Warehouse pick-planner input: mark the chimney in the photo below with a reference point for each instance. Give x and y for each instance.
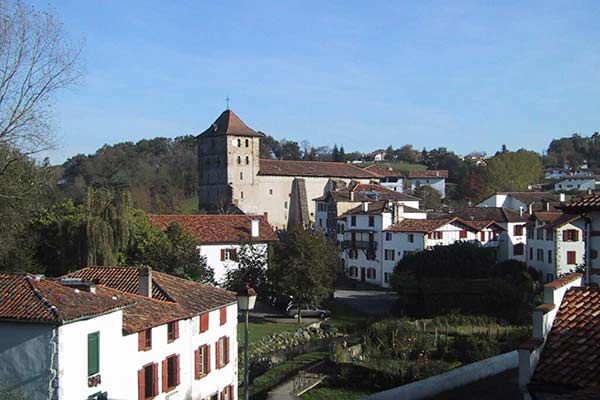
(521, 210)
(255, 228)
(546, 205)
(365, 206)
(530, 208)
(351, 195)
(562, 197)
(145, 282)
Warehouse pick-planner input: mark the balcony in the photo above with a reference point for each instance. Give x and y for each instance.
(359, 245)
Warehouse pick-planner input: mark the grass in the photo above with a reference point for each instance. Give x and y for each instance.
(258, 330)
(324, 392)
(190, 206)
(343, 316)
(277, 375)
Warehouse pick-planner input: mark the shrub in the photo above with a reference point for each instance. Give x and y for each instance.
(468, 349)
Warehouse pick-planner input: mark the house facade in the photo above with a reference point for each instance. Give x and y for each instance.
(232, 176)
(527, 202)
(555, 243)
(389, 178)
(123, 333)
(434, 178)
(222, 236)
(577, 183)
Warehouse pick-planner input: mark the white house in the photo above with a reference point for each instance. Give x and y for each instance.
(513, 222)
(222, 235)
(118, 333)
(555, 243)
(388, 177)
(523, 201)
(434, 178)
(581, 183)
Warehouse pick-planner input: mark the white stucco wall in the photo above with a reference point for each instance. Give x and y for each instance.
(568, 184)
(25, 358)
(438, 184)
(212, 252)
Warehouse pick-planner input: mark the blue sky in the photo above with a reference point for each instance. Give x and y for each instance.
(365, 74)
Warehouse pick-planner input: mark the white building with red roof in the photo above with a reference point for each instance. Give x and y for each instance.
(221, 236)
(118, 333)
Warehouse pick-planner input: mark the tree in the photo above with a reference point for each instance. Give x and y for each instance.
(432, 200)
(514, 171)
(304, 266)
(342, 155)
(252, 269)
(408, 154)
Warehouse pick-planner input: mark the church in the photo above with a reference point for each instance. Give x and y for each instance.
(233, 177)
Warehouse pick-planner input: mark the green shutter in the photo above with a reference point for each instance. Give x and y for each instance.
(93, 353)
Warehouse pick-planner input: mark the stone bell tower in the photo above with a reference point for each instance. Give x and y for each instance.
(228, 164)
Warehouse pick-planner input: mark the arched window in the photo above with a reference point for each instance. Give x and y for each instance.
(247, 160)
(247, 142)
(241, 176)
(239, 142)
(239, 159)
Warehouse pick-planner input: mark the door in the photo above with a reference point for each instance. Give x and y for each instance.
(362, 274)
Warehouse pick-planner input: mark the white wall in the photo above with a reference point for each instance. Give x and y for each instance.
(25, 358)
(212, 252)
(568, 184)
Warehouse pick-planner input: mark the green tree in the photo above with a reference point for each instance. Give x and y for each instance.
(251, 268)
(514, 171)
(304, 266)
(432, 200)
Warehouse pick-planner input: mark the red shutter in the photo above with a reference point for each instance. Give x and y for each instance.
(207, 358)
(234, 254)
(197, 363)
(227, 350)
(203, 322)
(177, 375)
(218, 354)
(165, 372)
(482, 236)
(155, 379)
(223, 395)
(141, 384)
(575, 235)
(176, 332)
(463, 234)
(231, 395)
(222, 254)
(565, 236)
(223, 315)
(429, 235)
(142, 341)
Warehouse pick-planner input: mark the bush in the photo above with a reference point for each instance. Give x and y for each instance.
(468, 349)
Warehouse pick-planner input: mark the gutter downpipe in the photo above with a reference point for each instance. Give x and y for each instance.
(53, 381)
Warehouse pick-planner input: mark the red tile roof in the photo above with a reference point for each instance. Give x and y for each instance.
(313, 169)
(30, 298)
(230, 124)
(363, 192)
(427, 173)
(383, 171)
(498, 214)
(570, 360)
(217, 228)
(425, 225)
(585, 203)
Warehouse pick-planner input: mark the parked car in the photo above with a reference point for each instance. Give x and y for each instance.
(307, 310)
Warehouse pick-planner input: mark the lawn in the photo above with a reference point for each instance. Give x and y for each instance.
(323, 392)
(258, 330)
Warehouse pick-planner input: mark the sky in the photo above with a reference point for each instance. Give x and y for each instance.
(465, 75)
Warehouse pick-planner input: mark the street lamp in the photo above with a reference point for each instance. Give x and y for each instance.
(246, 299)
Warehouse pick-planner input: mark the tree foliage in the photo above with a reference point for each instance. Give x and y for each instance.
(513, 171)
(251, 268)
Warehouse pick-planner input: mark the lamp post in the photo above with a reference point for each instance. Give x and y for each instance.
(246, 299)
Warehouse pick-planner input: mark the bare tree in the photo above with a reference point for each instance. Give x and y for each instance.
(36, 61)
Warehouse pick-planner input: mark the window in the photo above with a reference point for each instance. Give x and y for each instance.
(241, 176)
(386, 277)
(388, 236)
(518, 249)
(540, 234)
(531, 254)
(321, 222)
(518, 230)
(549, 235)
(549, 256)
(285, 205)
(93, 353)
(170, 373)
(271, 192)
(148, 381)
(530, 233)
(242, 195)
(570, 235)
(411, 238)
(353, 220)
(227, 393)
(247, 160)
(202, 361)
(353, 254)
(571, 257)
(172, 331)
(239, 159)
(223, 316)
(371, 274)
(203, 322)
(222, 348)
(549, 278)
(540, 255)
(389, 255)
(228, 254)
(247, 143)
(145, 340)
(437, 235)
(462, 234)
(353, 271)
(593, 254)
(371, 220)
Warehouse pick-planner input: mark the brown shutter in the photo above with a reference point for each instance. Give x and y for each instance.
(155, 379)
(218, 354)
(234, 254)
(142, 341)
(575, 235)
(197, 363)
(176, 331)
(177, 375)
(165, 373)
(226, 350)
(222, 254)
(231, 393)
(207, 358)
(565, 236)
(141, 384)
(203, 322)
(223, 315)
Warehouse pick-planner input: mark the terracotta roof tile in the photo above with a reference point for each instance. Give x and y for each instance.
(383, 171)
(217, 228)
(230, 124)
(498, 214)
(29, 298)
(428, 173)
(313, 169)
(364, 192)
(565, 362)
(588, 202)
